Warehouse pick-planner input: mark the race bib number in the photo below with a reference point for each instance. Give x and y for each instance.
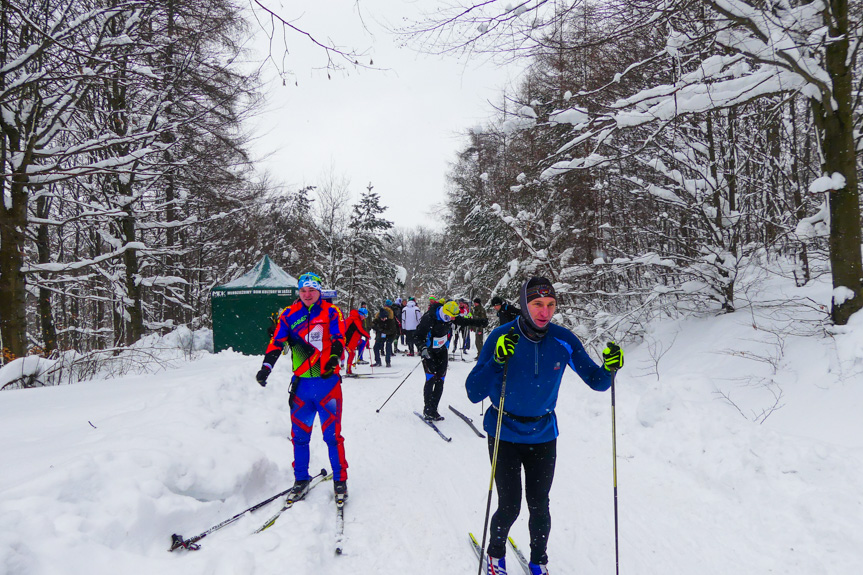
(315, 337)
(439, 342)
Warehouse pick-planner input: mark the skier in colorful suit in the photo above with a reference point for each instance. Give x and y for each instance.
(314, 331)
(534, 353)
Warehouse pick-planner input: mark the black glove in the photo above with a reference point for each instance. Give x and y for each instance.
(612, 356)
(330, 366)
(424, 353)
(263, 374)
(337, 348)
(505, 347)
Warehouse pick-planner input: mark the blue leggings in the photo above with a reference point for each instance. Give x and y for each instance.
(321, 397)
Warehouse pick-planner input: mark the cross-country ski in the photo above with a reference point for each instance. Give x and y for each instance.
(292, 499)
(467, 420)
(340, 525)
(431, 424)
(519, 556)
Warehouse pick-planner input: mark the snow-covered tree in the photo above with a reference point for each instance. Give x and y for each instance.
(120, 120)
(422, 253)
(370, 273)
(54, 57)
(668, 100)
(746, 51)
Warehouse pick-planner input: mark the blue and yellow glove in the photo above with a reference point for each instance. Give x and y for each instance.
(612, 356)
(504, 349)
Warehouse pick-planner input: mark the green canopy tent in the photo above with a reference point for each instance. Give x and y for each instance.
(242, 307)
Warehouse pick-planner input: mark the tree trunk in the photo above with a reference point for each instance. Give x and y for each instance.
(134, 310)
(43, 249)
(771, 200)
(836, 124)
(799, 207)
(13, 222)
(13, 311)
(734, 229)
(170, 310)
(721, 234)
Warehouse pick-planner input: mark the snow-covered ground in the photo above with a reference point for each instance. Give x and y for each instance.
(739, 439)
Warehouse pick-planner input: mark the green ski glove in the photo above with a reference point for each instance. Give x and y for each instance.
(505, 347)
(612, 356)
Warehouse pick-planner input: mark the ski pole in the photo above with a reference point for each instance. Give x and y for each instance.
(378, 410)
(190, 544)
(493, 461)
(614, 467)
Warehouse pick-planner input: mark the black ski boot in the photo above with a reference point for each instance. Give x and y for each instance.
(432, 415)
(299, 490)
(341, 490)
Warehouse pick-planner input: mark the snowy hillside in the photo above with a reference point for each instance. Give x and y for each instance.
(740, 450)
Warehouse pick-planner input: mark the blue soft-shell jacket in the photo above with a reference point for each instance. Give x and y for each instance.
(532, 381)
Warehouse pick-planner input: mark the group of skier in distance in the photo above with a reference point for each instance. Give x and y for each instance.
(520, 373)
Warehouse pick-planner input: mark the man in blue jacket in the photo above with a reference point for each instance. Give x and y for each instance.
(535, 353)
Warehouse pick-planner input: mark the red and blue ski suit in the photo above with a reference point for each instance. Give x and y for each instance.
(313, 334)
(354, 334)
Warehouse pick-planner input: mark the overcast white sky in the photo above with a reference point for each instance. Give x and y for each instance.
(396, 128)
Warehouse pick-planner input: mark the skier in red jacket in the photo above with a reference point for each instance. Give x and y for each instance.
(354, 334)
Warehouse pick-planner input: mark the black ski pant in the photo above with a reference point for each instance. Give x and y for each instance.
(538, 461)
(411, 339)
(435, 367)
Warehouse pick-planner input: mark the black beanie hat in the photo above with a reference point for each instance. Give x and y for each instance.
(496, 301)
(477, 300)
(538, 287)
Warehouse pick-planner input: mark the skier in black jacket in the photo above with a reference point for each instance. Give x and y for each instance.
(506, 312)
(433, 337)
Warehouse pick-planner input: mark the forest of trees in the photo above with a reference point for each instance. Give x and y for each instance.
(653, 151)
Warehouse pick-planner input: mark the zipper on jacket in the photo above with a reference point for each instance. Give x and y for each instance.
(536, 359)
(309, 329)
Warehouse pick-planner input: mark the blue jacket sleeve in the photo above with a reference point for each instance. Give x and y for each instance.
(595, 376)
